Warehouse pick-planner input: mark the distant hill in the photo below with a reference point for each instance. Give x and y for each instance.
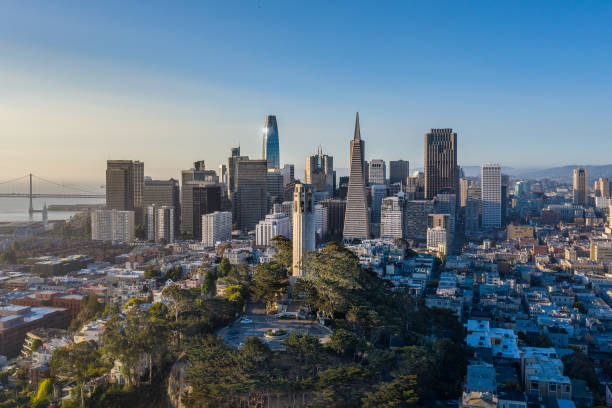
(565, 173)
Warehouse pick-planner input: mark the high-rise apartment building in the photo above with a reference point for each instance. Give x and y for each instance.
(112, 225)
(250, 200)
(399, 171)
(441, 170)
(285, 208)
(159, 223)
(446, 203)
(356, 225)
(164, 193)
(124, 184)
(491, 196)
(463, 190)
(216, 227)
(199, 198)
(378, 172)
(392, 217)
(303, 226)
(273, 225)
(270, 143)
(580, 186)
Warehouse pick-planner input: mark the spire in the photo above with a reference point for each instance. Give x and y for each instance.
(357, 131)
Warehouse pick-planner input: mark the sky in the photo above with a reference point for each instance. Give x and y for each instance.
(524, 84)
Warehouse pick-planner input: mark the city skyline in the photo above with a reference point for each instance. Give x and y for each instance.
(73, 91)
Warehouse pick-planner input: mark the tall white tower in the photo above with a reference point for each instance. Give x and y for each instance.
(303, 225)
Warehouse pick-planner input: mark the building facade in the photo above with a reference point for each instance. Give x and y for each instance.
(377, 172)
(164, 193)
(356, 225)
(580, 193)
(271, 226)
(112, 225)
(216, 227)
(399, 171)
(441, 170)
(392, 217)
(303, 226)
(250, 200)
(491, 200)
(271, 151)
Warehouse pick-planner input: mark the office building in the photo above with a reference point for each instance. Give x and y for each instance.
(463, 190)
(472, 215)
(580, 187)
(112, 225)
(232, 163)
(335, 217)
(491, 196)
(320, 221)
(377, 172)
(436, 236)
(602, 187)
(223, 178)
(164, 193)
(399, 171)
(288, 172)
(250, 200)
(270, 143)
(392, 217)
(216, 228)
(441, 170)
(439, 220)
(199, 198)
(124, 184)
(273, 225)
(377, 193)
(356, 222)
(416, 218)
(275, 187)
(415, 186)
(285, 208)
(320, 173)
(303, 226)
(446, 203)
(505, 185)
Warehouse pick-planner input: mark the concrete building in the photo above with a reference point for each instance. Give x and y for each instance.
(377, 193)
(320, 221)
(199, 198)
(164, 193)
(124, 184)
(319, 172)
(271, 226)
(399, 171)
(463, 191)
(356, 221)
(159, 223)
(377, 172)
(601, 251)
(232, 163)
(491, 196)
(275, 187)
(446, 203)
(435, 237)
(288, 172)
(516, 232)
(112, 225)
(335, 217)
(216, 227)
(580, 191)
(417, 212)
(441, 170)
(392, 217)
(250, 200)
(303, 226)
(602, 187)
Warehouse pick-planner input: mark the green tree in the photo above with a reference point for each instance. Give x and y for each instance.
(578, 365)
(342, 387)
(345, 342)
(140, 231)
(399, 393)
(152, 272)
(209, 285)
(284, 250)
(270, 282)
(80, 362)
(225, 267)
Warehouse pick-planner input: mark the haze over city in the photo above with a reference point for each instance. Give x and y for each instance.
(523, 84)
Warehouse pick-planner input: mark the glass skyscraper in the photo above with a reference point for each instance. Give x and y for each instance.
(270, 143)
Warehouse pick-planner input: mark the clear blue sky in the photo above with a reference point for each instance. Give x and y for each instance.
(525, 84)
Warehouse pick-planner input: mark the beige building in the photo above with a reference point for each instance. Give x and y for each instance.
(303, 225)
(516, 232)
(580, 186)
(601, 251)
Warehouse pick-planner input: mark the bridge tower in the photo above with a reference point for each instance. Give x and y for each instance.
(31, 209)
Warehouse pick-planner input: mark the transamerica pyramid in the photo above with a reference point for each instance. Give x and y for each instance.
(356, 221)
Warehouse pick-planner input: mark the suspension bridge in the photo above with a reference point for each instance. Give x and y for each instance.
(74, 192)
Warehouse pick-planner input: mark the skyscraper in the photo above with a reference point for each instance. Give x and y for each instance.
(232, 161)
(377, 193)
(399, 170)
(441, 171)
(199, 198)
(392, 217)
(319, 172)
(273, 225)
(491, 196)
(159, 222)
(270, 143)
(602, 187)
(377, 172)
(250, 199)
(356, 225)
(124, 184)
(303, 226)
(112, 225)
(164, 193)
(216, 227)
(580, 186)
